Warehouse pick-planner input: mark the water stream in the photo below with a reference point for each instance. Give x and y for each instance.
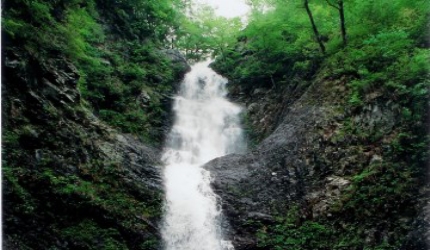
(206, 126)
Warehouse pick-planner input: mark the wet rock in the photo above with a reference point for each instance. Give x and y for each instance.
(180, 65)
(56, 79)
(324, 199)
(252, 108)
(376, 117)
(258, 91)
(144, 99)
(261, 217)
(419, 237)
(337, 183)
(306, 159)
(60, 146)
(375, 159)
(249, 177)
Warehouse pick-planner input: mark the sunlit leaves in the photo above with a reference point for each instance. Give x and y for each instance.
(204, 33)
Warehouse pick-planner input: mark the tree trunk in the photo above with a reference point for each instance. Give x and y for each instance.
(314, 27)
(342, 22)
(339, 7)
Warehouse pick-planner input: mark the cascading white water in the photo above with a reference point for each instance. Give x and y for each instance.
(206, 126)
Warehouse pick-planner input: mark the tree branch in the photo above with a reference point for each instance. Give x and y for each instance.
(332, 5)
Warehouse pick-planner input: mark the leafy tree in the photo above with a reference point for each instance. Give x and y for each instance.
(204, 33)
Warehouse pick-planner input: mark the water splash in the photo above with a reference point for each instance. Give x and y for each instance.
(206, 126)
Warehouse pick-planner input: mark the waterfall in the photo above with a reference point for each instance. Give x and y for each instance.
(206, 126)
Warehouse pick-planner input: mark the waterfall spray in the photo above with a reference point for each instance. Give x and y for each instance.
(206, 126)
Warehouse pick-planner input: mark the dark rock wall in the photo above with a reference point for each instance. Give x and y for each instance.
(70, 181)
(312, 161)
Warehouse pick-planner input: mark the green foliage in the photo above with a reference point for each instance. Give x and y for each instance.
(150, 244)
(130, 122)
(98, 186)
(143, 19)
(205, 33)
(13, 27)
(276, 45)
(115, 66)
(115, 46)
(114, 88)
(290, 233)
(278, 42)
(370, 18)
(11, 145)
(385, 64)
(380, 186)
(80, 33)
(88, 235)
(252, 138)
(388, 63)
(25, 203)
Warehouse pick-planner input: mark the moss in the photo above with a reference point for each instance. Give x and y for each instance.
(24, 202)
(289, 232)
(113, 68)
(100, 213)
(252, 137)
(89, 235)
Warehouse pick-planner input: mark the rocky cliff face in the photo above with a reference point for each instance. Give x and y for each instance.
(327, 176)
(70, 181)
